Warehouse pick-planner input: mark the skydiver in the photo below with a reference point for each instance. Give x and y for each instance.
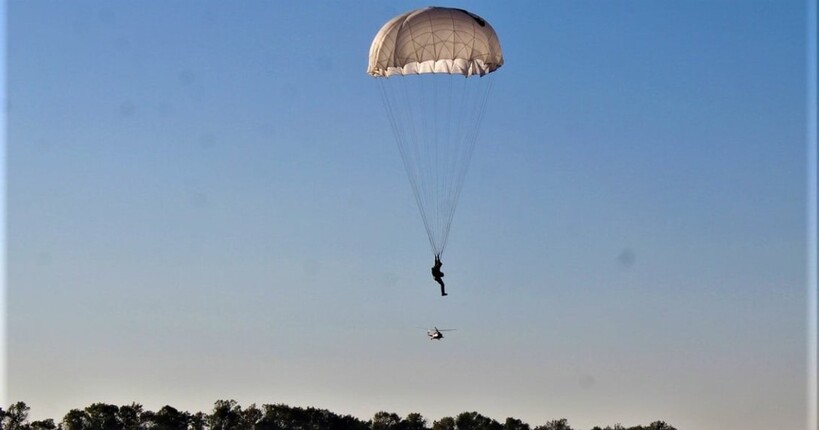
(437, 274)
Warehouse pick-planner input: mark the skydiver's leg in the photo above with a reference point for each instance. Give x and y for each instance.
(443, 291)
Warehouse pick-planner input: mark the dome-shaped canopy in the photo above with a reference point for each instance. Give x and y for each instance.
(435, 40)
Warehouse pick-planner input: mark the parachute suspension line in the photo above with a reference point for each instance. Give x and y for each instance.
(471, 119)
(436, 146)
(443, 157)
(457, 116)
(421, 147)
(481, 104)
(445, 167)
(405, 136)
(459, 163)
(440, 114)
(436, 126)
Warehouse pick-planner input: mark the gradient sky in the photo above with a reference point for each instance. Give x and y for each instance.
(205, 201)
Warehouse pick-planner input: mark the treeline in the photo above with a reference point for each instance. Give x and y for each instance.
(229, 415)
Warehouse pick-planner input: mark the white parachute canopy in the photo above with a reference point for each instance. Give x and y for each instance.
(434, 68)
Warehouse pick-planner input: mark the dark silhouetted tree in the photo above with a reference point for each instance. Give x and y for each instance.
(169, 418)
(476, 421)
(560, 424)
(445, 423)
(226, 415)
(198, 421)
(76, 419)
(269, 419)
(283, 417)
(277, 417)
(319, 419)
(102, 416)
(386, 421)
(16, 417)
(46, 424)
(251, 416)
(130, 416)
(659, 425)
(515, 424)
(414, 421)
(348, 422)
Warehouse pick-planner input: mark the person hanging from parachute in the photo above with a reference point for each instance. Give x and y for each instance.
(437, 274)
(434, 67)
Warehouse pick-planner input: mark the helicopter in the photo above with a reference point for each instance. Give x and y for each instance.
(435, 333)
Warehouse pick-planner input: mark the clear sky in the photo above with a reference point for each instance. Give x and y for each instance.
(205, 201)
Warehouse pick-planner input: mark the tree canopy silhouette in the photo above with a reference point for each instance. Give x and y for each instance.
(229, 415)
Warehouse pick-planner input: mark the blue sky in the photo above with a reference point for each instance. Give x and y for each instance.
(205, 201)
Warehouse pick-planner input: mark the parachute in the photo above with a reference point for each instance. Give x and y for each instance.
(434, 70)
